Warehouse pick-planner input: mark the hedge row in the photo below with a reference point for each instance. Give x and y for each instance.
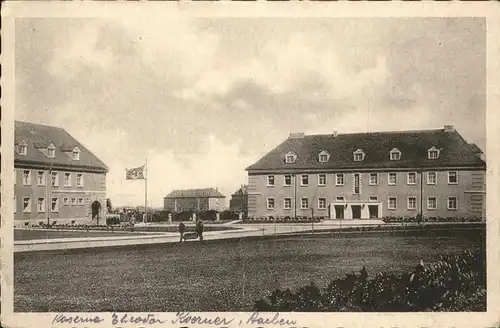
(285, 219)
(85, 227)
(162, 216)
(393, 219)
(455, 283)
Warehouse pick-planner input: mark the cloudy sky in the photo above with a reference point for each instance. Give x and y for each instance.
(204, 98)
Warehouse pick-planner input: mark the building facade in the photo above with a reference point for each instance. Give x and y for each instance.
(239, 200)
(57, 180)
(195, 200)
(370, 175)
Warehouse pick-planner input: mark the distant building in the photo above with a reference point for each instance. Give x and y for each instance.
(194, 200)
(57, 179)
(239, 200)
(370, 175)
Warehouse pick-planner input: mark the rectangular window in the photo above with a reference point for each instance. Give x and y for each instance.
(322, 203)
(287, 203)
(322, 180)
(323, 158)
(452, 177)
(373, 198)
(80, 201)
(66, 201)
(339, 179)
(304, 181)
(270, 203)
(26, 205)
(392, 204)
(433, 154)
(73, 201)
(55, 205)
(340, 198)
(412, 203)
(304, 203)
(288, 180)
(26, 177)
(270, 180)
(357, 188)
(358, 157)
(395, 156)
(431, 178)
(412, 178)
(392, 180)
(41, 205)
(373, 179)
(23, 149)
(51, 152)
(67, 179)
(55, 179)
(40, 178)
(452, 203)
(79, 180)
(431, 203)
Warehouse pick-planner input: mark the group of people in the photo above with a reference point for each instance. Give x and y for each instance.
(199, 227)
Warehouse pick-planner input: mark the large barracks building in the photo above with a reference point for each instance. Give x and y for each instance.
(370, 175)
(57, 180)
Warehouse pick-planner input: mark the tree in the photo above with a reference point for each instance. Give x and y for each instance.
(108, 205)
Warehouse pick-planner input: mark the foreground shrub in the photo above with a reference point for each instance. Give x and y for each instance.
(455, 283)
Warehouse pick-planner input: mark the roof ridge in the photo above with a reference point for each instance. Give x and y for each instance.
(39, 124)
(376, 132)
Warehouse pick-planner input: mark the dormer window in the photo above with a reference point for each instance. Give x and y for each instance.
(51, 151)
(23, 148)
(359, 155)
(395, 154)
(290, 157)
(433, 153)
(76, 154)
(324, 156)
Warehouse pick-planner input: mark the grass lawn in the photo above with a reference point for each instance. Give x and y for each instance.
(21, 234)
(214, 276)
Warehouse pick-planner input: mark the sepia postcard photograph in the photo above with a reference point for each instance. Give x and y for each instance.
(250, 165)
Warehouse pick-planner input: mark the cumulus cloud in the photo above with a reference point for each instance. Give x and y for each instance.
(204, 98)
(80, 52)
(220, 166)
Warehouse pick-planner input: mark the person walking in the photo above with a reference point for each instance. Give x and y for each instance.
(182, 230)
(199, 229)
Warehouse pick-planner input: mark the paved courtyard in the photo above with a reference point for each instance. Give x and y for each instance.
(103, 239)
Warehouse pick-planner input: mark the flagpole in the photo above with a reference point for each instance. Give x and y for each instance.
(146, 192)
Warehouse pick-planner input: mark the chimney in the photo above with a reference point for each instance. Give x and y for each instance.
(299, 135)
(449, 128)
(335, 134)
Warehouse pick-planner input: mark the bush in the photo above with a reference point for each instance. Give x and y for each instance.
(399, 219)
(229, 216)
(455, 283)
(112, 220)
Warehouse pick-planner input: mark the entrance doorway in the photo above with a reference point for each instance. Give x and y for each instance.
(373, 211)
(356, 211)
(339, 212)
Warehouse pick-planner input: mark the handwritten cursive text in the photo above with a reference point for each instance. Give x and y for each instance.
(61, 318)
(255, 318)
(187, 318)
(124, 319)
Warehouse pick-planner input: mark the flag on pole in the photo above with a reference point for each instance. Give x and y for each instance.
(135, 173)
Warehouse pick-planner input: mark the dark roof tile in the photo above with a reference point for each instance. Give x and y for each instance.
(454, 151)
(198, 193)
(38, 136)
